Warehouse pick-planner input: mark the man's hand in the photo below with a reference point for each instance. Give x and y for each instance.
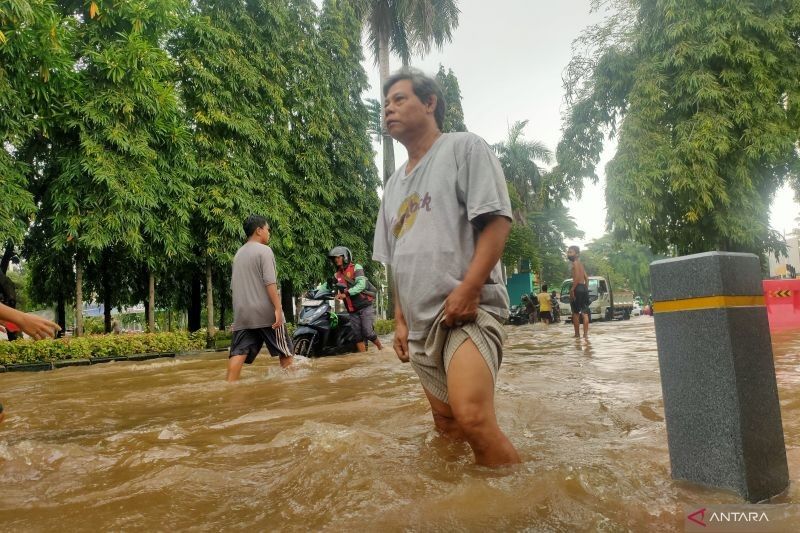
(572, 294)
(400, 343)
(279, 321)
(461, 305)
(38, 327)
(341, 296)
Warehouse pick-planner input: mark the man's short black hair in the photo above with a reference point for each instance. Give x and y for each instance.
(575, 249)
(544, 287)
(252, 223)
(424, 87)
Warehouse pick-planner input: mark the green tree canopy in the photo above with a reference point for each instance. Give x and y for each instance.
(704, 99)
(454, 114)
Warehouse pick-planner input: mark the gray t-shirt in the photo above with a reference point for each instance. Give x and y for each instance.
(253, 270)
(424, 228)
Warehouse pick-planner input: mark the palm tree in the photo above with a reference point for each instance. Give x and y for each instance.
(405, 27)
(518, 157)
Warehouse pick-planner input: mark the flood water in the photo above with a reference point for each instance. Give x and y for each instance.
(347, 443)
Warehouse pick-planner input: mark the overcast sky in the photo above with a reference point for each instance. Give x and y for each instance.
(509, 56)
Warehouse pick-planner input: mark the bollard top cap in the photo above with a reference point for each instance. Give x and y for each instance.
(706, 274)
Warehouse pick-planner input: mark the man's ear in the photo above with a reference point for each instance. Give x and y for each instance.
(432, 101)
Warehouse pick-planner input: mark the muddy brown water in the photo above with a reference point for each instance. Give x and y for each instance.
(347, 443)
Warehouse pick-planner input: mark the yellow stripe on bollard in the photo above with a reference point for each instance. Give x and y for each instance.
(708, 302)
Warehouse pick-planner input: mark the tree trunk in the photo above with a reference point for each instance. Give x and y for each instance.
(222, 301)
(8, 253)
(78, 297)
(107, 310)
(61, 315)
(287, 301)
(388, 150)
(151, 302)
(193, 313)
(387, 141)
(209, 306)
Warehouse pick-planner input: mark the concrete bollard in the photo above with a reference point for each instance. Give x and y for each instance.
(717, 374)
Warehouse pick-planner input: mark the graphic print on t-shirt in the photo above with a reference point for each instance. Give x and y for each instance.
(407, 213)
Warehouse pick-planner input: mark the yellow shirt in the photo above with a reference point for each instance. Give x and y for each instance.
(544, 302)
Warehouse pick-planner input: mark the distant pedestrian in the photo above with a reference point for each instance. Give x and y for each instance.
(257, 312)
(579, 292)
(545, 306)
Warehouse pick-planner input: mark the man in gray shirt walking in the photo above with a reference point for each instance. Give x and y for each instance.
(443, 224)
(257, 313)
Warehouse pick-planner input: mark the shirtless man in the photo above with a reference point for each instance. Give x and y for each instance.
(579, 293)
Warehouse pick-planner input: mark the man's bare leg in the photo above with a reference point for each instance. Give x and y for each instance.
(361, 347)
(443, 418)
(377, 343)
(235, 363)
(576, 324)
(286, 361)
(470, 390)
(585, 325)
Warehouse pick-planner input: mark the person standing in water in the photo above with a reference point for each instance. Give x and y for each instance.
(257, 312)
(579, 293)
(444, 220)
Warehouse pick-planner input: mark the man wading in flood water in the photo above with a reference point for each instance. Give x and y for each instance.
(443, 224)
(579, 293)
(257, 312)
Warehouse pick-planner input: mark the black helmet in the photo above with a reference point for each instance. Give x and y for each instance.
(344, 251)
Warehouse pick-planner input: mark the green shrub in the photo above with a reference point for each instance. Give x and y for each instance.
(383, 327)
(30, 351)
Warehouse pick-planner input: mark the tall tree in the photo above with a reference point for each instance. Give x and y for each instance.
(537, 196)
(704, 97)
(115, 171)
(404, 27)
(35, 44)
(454, 114)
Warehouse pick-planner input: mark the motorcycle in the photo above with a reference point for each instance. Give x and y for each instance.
(321, 331)
(518, 315)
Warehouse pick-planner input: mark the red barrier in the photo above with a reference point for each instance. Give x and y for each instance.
(782, 297)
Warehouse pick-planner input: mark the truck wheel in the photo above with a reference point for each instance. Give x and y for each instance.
(626, 315)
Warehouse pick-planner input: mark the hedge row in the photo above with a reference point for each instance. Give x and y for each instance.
(92, 346)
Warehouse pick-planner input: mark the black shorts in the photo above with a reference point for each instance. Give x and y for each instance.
(249, 341)
(581, 302)
(546, 314)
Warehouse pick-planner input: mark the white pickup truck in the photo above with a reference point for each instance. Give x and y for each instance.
(604, 302)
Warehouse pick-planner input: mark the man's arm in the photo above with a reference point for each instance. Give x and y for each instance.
(34, 325)
(462, 304)
(272, 292)
(400, 343)
(574, 275)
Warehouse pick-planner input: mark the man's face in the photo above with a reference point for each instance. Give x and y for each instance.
(404, 114)
(338, 260)
(571, 255)
(263, 234)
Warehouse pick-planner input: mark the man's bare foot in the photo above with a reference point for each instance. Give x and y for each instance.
(286, 362)
(377, 343)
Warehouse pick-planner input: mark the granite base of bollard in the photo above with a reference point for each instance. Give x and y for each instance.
(717, 374)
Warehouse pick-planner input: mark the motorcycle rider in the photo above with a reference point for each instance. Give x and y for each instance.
(358, 296)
